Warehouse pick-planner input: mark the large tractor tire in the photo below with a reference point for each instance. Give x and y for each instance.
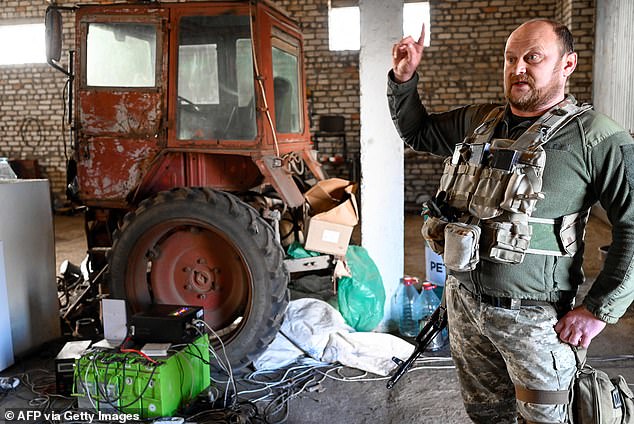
(197, 246)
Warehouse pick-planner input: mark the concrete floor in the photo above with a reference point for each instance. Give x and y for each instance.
(425, 395)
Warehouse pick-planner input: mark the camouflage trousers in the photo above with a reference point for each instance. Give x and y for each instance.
(495, 349)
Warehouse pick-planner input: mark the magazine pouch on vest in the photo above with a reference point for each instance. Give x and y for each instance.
(494, 180)
(512, 178)
(525, 183)
(462, 170)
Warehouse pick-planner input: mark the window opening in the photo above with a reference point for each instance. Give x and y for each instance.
(286, 87)
(216, 93)
(344, 28)
(344, 32)
(414, 14)
(21, 44)
(121, 55)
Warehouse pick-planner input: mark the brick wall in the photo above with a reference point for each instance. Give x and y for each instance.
(581, 23)
(462, 65)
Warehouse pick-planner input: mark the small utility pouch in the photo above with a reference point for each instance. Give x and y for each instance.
(572, 231)
(506, 238)
(433, 231)
(461, 246)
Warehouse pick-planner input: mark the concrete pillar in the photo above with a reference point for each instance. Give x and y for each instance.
(613, 66)
(382, 178)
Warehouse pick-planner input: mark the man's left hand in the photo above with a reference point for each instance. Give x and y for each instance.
(578, 327)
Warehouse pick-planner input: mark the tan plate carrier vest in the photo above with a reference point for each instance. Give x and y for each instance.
(494, 184)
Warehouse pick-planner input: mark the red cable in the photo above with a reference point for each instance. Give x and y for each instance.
(124, 350)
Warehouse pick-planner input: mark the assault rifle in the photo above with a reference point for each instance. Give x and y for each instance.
(436, 323)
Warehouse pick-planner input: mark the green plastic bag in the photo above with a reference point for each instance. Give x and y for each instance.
(297, 251)
(361, 297)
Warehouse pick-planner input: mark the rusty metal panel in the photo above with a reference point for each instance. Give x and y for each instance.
(282, 180)
(119, 129)
(166, 172)
(191, 169)
(613, 92)
(112, 167)
(134, 113)
(224, 172)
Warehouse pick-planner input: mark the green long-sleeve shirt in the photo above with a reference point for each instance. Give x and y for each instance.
(589, 160)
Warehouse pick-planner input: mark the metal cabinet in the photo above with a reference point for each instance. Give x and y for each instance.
(26, 232)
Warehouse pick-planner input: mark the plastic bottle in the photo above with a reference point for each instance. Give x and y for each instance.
(421, 307)
(6, 172)
(428, 304)
(408, 315)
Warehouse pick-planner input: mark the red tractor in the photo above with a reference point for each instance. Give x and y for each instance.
(190, 142)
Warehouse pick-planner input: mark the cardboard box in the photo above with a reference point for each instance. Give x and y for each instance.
(334, 214)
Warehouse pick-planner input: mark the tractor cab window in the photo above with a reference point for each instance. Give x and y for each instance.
(216, 96)
(121, 55)
(286, 84)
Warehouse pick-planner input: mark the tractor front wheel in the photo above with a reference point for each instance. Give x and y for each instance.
(201, 247)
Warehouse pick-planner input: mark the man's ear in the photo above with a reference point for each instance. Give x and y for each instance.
(569, 62)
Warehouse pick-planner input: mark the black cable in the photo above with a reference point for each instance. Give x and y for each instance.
(147, 385)
(64, 91)
(23, 127)
(203, 360)
(105, 396)
(181, 374)
(107, 381)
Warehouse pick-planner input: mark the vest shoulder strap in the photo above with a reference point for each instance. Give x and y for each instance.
(548, 124)
(484, 132)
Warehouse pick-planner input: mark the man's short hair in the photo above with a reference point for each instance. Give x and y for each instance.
(562, 32)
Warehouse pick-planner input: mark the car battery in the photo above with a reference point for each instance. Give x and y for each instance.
(128, 382)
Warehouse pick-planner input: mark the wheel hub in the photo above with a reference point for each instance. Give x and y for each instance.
(201, 278)
(195, 266)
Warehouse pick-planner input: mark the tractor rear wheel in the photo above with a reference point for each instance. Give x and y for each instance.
(197, 246)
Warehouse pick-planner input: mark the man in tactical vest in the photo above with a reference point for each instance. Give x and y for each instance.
(509, 219)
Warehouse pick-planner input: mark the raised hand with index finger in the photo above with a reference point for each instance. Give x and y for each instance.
(406, 56)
